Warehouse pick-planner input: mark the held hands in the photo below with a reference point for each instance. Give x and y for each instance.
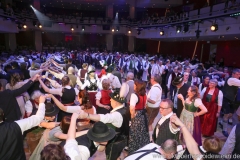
(75, 116)
(82, 115)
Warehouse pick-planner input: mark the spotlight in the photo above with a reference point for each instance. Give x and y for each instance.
(179, 28)
(24, 26)
(161, 33)
(83, 28)
(72, 29)
(214, 27)
(112, 30)
(129, 31)
(31, 6)
(39, 26)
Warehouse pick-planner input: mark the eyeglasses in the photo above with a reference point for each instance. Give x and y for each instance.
(164, 108)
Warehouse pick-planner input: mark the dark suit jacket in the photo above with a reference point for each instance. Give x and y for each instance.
(183, 90)
(9, 103)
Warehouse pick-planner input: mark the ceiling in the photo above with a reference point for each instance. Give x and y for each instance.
(101, 4)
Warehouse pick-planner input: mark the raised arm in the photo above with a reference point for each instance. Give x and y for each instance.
(191, 144)
(25, 87)
(34, 120)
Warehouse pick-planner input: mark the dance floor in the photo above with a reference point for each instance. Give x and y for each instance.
(102, 156)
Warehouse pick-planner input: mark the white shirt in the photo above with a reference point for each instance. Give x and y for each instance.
(195, 79)
(125, 88)
(29, 107)
(32, 121)
(87, 83)
(58, 91)
(115, 118)
(220, 96)
(114, 81)
(233, 82)
(170, 80)
(155, 94)
(174, 131)
(75, 151)
(155, 69)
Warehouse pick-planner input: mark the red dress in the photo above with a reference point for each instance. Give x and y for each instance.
(209, 119)
(105, 100)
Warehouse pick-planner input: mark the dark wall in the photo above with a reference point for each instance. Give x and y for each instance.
(25, 38)
(2, 39)
(228, 50)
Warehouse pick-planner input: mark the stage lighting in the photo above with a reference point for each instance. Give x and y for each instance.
(83, 28)
(113, 30)
(39, 26)
(129, 31)
(161, 33)
(179, 28)
(72, 29)
(214, 27)
(24, 26)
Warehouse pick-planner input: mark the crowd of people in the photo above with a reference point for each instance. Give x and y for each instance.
(78, 102)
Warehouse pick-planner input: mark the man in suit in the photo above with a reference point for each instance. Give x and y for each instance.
(164, 129)
(181, 88)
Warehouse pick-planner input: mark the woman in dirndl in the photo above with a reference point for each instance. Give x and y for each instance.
(138, 134)
(91, 84)
(190, 114)
(66, 92)
(103, 98)
(212, 98)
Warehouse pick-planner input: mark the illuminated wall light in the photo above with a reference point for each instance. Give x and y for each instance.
(113, 30)
(83, 28)
(40, 26)
(72, 29)
(161, 33)
(24, 26)
(214, 27)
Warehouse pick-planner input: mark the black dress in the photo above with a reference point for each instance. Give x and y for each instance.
(67, 99)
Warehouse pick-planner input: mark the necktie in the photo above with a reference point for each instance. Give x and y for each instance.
(175, 99)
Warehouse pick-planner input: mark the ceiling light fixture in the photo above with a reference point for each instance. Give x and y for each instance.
(214, 27)
(24, 26)
(179, 28)
(161, 33)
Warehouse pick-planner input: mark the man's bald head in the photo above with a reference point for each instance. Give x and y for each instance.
(130, 76)
(170, 146)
